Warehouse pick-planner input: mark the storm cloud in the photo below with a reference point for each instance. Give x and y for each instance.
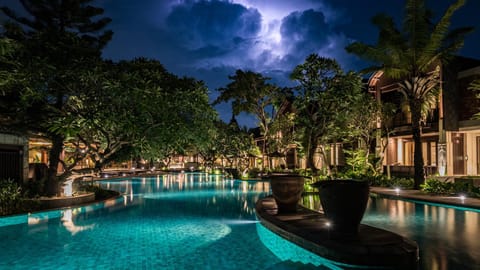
(210, 39)
(213, 24)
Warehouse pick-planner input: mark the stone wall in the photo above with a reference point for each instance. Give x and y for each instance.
(59, 202)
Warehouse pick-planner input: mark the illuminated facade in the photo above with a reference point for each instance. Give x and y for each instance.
(450, 137)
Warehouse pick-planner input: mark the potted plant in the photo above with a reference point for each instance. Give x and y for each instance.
(344, 203)
(287, 190)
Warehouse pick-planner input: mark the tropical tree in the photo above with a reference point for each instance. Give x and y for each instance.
(137, 109)
(324, 96)
(235, 144)
(412, 54)
(60, 40)
(250, 92)
(361, 131)
(283, 135)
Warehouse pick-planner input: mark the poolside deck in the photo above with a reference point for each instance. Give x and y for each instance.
(372, 248)
(421, 196)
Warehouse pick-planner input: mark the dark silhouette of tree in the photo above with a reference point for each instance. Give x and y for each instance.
(61, 39)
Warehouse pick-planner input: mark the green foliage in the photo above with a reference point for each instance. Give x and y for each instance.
(230, 142)
(437, 187)
(60, 43)
(250, 92)
(394, 182)
(323, 103)
(160, 113)
(10, 197)
(405, 183)
(358, 161)
(282, 133)
(434, 186)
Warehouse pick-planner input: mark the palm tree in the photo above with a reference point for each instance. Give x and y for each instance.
(412, 56)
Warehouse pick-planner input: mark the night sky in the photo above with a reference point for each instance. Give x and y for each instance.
(209, 40)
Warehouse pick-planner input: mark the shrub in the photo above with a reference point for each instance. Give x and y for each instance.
(434, 186)
(253, 172)
(359, 163)
(405, 183)
(10, 197)
(394, 182)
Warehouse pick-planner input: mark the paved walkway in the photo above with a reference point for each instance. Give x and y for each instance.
(420, 196)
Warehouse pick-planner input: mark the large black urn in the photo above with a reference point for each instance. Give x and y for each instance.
(344, 203)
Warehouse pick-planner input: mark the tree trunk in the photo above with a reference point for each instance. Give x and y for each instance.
(51, 184)
(419, 176)
(312, 147)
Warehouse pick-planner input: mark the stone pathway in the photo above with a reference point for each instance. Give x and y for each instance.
(421, 196)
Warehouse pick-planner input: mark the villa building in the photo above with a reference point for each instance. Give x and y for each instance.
(450, 136)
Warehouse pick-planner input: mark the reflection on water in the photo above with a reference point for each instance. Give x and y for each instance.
(448, 238)
(194, 192)
(68, 223)
(177, 221)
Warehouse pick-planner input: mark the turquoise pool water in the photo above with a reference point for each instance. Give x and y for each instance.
(198, 221)
(178, 221)
(448, 237)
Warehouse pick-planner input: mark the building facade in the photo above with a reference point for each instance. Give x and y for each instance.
(450, 134)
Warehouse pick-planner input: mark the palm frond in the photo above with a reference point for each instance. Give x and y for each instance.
(475, 85)
(454, 41)
(416, 25)
(438, 35)
(429, 103)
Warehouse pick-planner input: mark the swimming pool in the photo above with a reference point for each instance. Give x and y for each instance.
(199, 221)
(177, 221)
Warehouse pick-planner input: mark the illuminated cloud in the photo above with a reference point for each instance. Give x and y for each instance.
(195, 36)
(213, 24)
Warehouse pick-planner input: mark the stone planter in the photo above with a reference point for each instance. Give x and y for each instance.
(344, 203)
(287, 190)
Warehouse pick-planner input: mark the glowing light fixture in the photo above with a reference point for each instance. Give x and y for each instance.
(68, 188)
